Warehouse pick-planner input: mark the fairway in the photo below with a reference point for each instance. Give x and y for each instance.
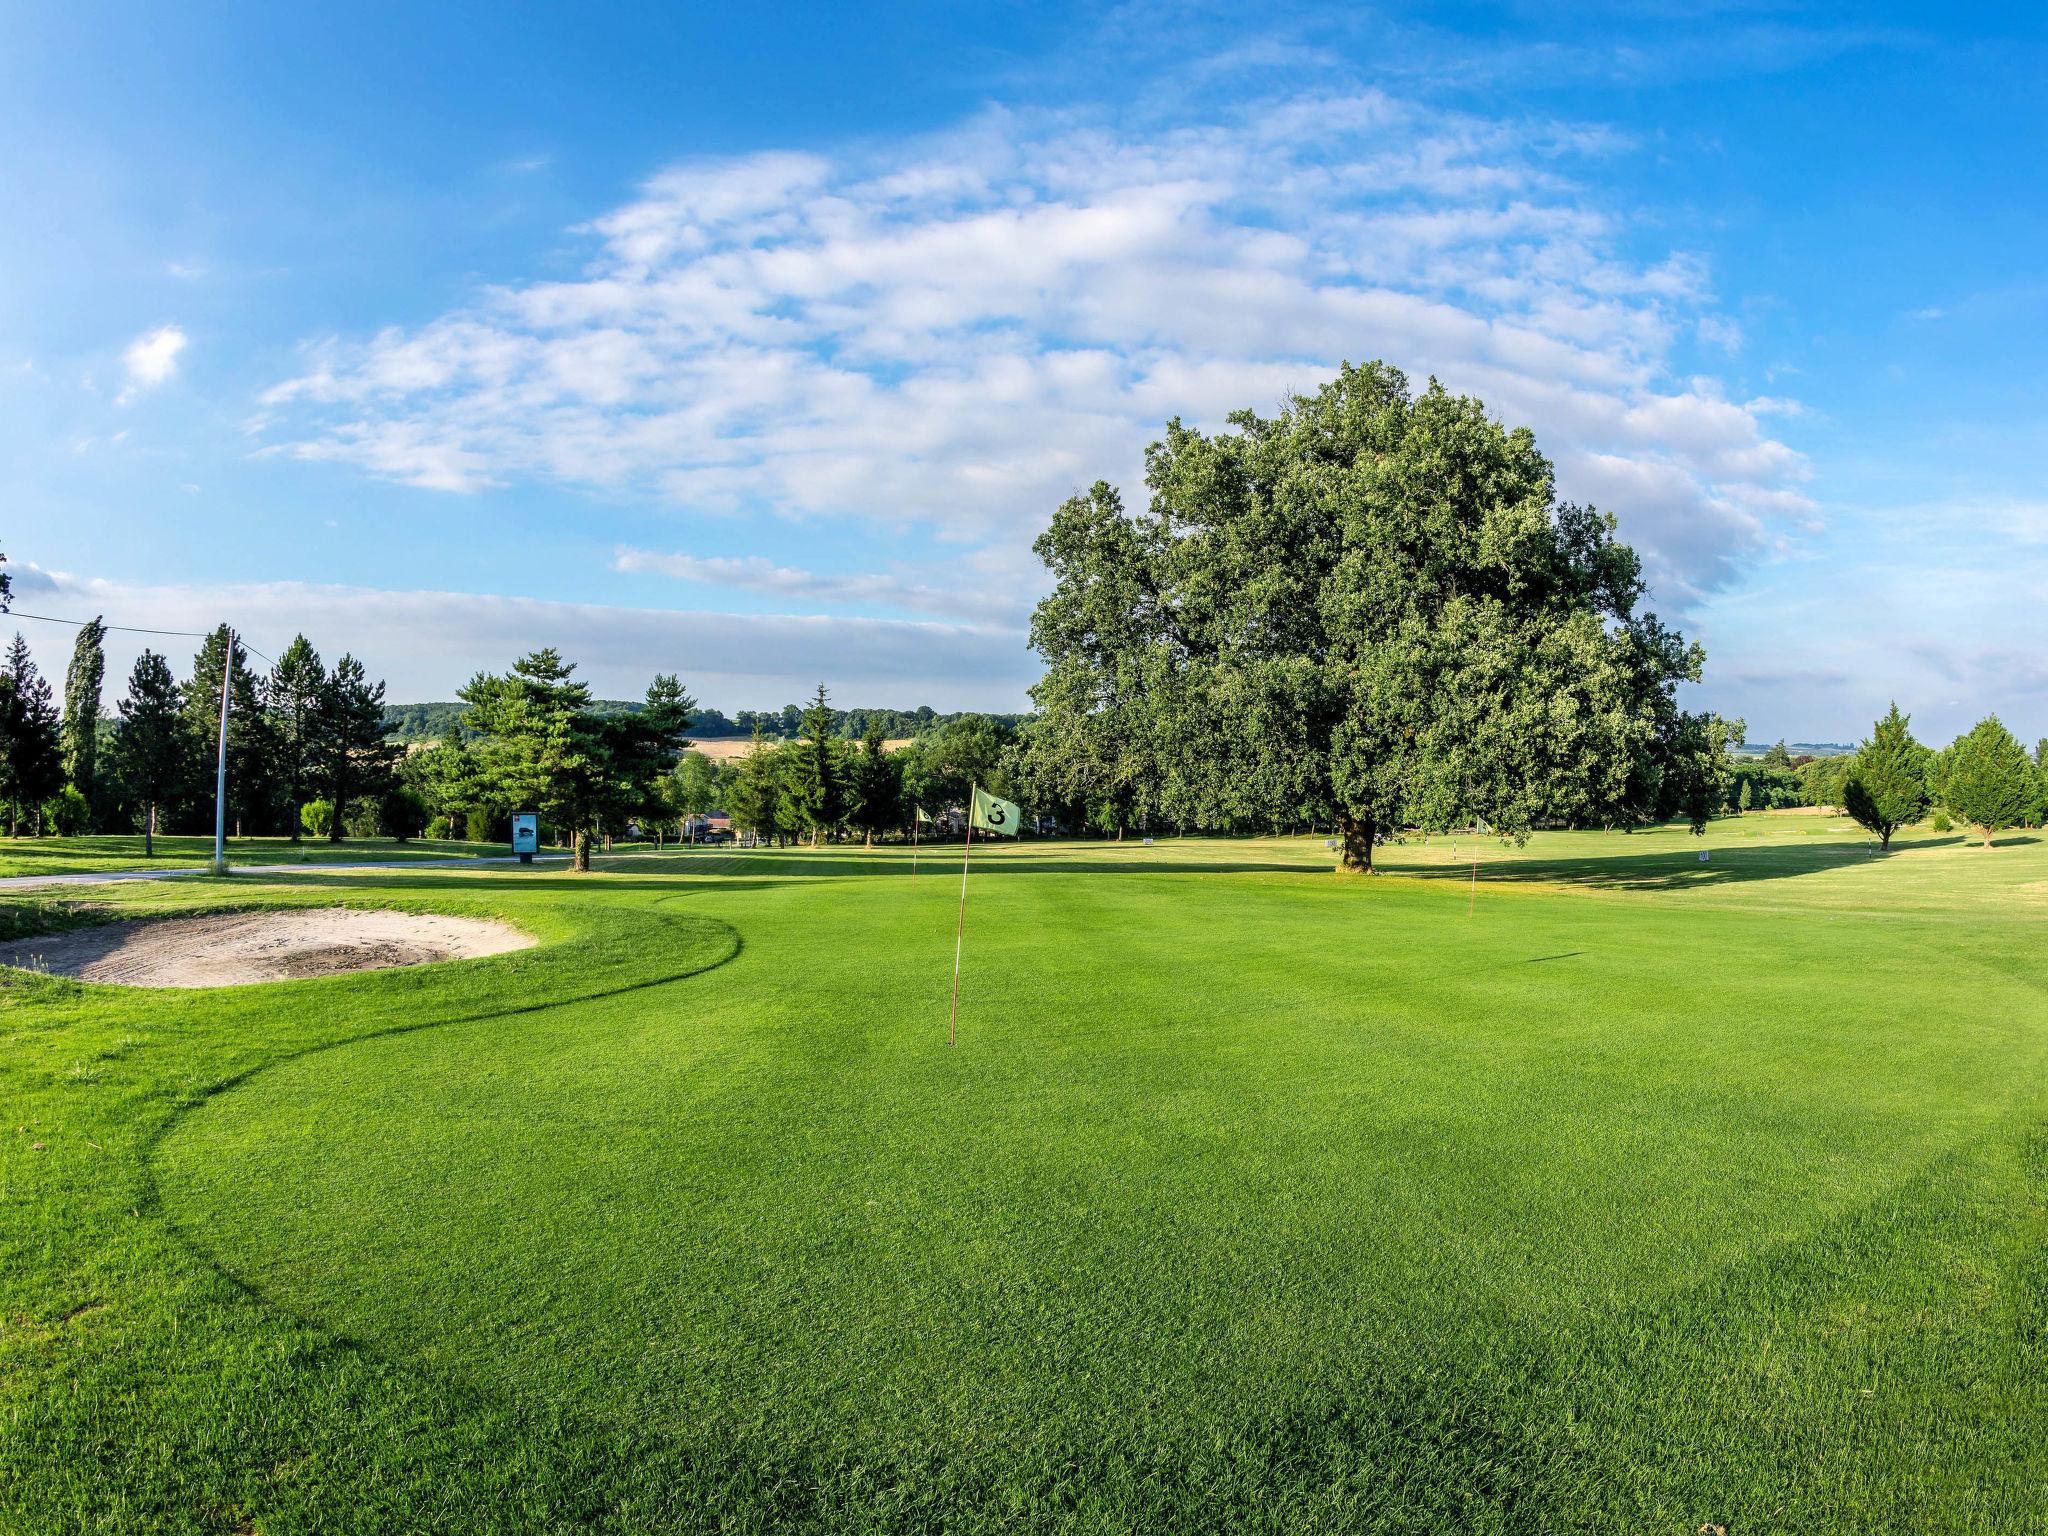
(1610, 1191)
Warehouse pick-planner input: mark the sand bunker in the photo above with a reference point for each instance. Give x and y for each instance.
(282, 944)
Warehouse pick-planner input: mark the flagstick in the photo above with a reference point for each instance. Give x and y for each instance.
(1473, 900)
(959, 931)
(913, 845)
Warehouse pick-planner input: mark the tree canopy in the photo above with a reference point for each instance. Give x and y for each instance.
(1886, 786)
(1369, 609)
(1989, 780)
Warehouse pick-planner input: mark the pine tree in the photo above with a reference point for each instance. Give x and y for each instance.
(249, 783)
(1887, 784)
(293, 694)
(877, 787)
(356, 757)
(151, 750)
(1991, 782)
(82, 682)
(757, 789)
(33, 765)
(817, 789)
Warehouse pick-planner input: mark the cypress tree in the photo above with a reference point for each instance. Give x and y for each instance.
(82, 680)
(1991, 782)
(1887, 785)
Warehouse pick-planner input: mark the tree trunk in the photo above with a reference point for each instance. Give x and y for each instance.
(1355, 850)
(1987, 836)
(1884, 840)
(580, 841)
(149, 831)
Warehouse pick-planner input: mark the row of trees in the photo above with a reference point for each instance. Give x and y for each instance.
(1984, 778)
(296, 732)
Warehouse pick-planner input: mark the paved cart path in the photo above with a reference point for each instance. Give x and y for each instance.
(106, 876)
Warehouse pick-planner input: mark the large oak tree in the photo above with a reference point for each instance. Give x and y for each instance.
(1368, 610)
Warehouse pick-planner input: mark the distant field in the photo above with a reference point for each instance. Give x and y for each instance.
(1610, 1190)
(726, 748)
(76, 855)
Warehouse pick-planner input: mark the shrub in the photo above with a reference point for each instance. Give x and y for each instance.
(440, 829)
(317, 817)
(403, 813)
(1942, 823)
(66, 813)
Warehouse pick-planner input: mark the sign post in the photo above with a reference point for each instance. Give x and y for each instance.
(525, 835)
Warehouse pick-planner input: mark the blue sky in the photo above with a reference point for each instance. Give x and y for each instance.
(759, 350)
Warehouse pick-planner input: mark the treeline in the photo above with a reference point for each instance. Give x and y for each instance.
(1984, 779)
(299, 733)
(820, 784)
(443, 721)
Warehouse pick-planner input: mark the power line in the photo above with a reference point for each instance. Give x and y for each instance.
(126, 629)
(132, 629)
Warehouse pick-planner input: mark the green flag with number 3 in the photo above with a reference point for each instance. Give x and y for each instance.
(993, 815)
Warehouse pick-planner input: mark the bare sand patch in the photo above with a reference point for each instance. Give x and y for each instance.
(278, 944)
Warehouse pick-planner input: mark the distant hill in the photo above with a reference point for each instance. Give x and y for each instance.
(440, 721)
(1796, 748)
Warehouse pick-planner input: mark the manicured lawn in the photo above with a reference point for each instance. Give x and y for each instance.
(1653, 1194)
(79, 855)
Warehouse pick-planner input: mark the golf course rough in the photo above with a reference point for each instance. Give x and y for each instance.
(1653, 1194)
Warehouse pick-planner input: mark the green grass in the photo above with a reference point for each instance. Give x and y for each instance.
(84, 855)
(1650, 1195)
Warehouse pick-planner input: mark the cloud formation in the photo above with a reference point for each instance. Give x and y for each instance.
(151, 359)
(951, 335)
(424, 644)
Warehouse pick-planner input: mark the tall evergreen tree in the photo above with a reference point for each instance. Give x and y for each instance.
(1887, 784)
(250, 794)
(877, 787)
(355, 755)
(152, 748)
(293, 695)
(543, 747)
(32, 767)
(82, 682)
(817, 791)
(1990, 781)
(757, 801)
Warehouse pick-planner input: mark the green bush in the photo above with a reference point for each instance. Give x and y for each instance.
(317, 817)
(67, 813)
(1942, 823)
(365, 818)
(403, 813)
(440, 829)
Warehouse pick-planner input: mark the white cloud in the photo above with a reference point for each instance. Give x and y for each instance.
(426, 644)
(985, 585)
(952, 335)
(151, 359)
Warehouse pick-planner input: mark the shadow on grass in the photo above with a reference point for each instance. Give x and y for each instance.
(1678, 869)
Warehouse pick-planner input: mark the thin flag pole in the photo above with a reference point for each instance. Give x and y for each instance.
(960, 928)
(1473, 900)
(916, 815)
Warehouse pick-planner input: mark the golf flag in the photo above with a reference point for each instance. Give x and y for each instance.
(993, 815)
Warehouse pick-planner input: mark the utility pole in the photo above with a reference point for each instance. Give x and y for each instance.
(220, 770)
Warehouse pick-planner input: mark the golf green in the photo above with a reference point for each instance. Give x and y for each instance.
(1611, 1190)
